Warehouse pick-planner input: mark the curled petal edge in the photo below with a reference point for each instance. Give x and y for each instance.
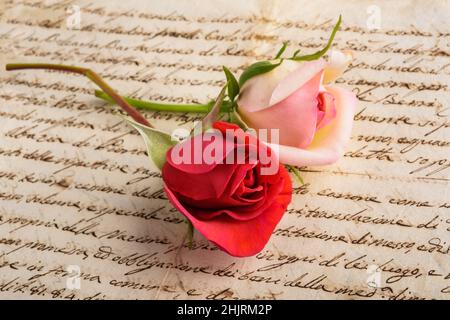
(329, 142)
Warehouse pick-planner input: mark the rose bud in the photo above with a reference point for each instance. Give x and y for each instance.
(314, 118)
(220, 183)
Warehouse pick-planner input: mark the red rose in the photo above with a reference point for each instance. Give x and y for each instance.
(232, 203)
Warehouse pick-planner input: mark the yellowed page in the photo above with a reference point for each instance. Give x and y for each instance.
(79, 196)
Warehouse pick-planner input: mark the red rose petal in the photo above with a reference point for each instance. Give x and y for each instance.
(241, 238)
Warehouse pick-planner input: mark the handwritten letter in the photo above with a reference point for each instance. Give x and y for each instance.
(82, 211)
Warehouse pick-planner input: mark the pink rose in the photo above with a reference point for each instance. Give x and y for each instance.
(231, 203)
(314, 119)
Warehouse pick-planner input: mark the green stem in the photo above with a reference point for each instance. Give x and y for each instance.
(190, 234)
(93, 77)
(156, 106)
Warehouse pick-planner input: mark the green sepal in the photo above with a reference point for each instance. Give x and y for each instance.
(297, 174)
(236, 119)
(213, 115)
(233, 85)
(258, 68)
(316, 55)
(157, 142)
(281, 51)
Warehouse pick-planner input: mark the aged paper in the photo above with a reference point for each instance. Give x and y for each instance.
(79, 196)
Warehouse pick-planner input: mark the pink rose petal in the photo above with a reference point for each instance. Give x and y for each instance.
(295, 116)
(329, 142)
